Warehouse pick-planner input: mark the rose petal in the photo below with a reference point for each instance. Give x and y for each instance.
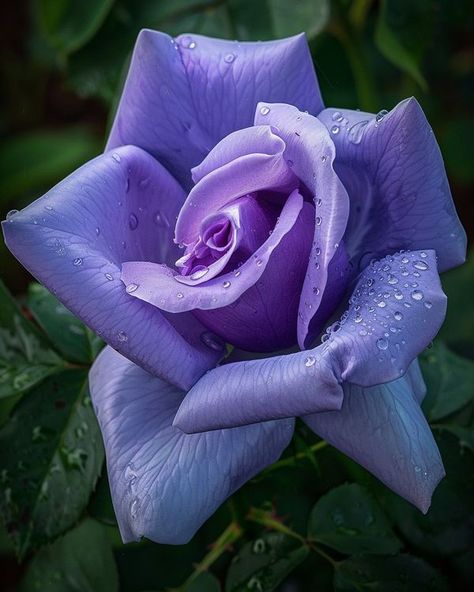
(75, 238)
(181, 98)
(394, 172)
(383, 429)
(387, 325)
(164, 483)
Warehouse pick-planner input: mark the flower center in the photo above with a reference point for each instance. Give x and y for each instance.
(226, 239)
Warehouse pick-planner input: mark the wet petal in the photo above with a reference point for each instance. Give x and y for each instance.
(164, 483)
(181, 98)
(311, 151)
(383, 429)
(158, 286)
(254, 171)
(389, 322)
(75, 238)
(394, 172)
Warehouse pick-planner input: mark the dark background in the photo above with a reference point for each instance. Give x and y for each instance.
(62, 64)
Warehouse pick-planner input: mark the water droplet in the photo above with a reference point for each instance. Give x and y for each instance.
(11, 213)
(309, 361)
(421, 265)
(77, 261)
(423, 254)
(382, 343)
(382, 304)
(417, 295)
(417, 469)
(337, 116)
(428, 304)
(318, 220)
(134, 507)
(392, 280)
(398, 294)
(132, 221)
(97, 231)
(109, 277)
(317, 251)
(380, 115)
(229, 58)
(259, 262)
(187, 42)
(161, 220)
(212, 341)
(398, 315)
(264, 110)
(259, 546)
(226, 284)
(237, 273)
(131, 288)
(324, 158)
(116, 157)
(197, 275)
(358, 318)
(356, 131)
(255, 584)
(122, 336)
(405, 260)
(180, 295)
(335, 129)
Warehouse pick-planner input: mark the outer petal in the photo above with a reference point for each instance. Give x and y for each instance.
(311, 151)
(181, 98)
(164, 483)
(394, 172)
(383, 429)
(75, 238)
(158, 286)
(389, 322)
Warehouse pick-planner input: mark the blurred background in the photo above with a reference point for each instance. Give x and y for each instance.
(62, 65)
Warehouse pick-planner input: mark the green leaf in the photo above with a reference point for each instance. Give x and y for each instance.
(349, 520)
(291, 18)
(50, 457)
(393, 50)
(81, 561)
(449, 380)
(100, 506)
(68, 24)
(262, 564)
(70, 336)
(205, 582)
(402, 573)
(30, 161)
(25, 355)
(458, 328)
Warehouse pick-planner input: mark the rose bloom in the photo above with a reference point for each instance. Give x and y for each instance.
(231, 207)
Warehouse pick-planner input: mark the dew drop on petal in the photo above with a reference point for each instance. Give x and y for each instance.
(226, 284)
(77, 261)
(382, 343)
(264, 110)
(309, 361)
(421, 265)
(417, 295)
(131, 288)
(132, 221)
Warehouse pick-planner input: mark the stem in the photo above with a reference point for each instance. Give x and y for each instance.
(298, 456)
(265, 519)
(231, 534)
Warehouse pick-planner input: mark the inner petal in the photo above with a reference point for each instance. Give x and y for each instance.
(227, 238)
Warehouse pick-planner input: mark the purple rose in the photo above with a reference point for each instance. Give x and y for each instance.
(282, 210)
